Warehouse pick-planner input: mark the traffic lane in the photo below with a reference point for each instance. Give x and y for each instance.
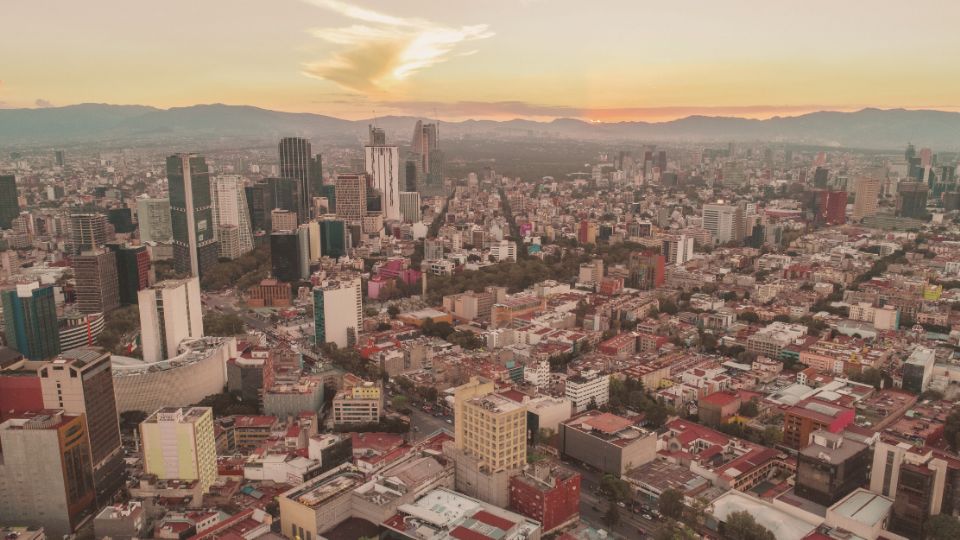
(423, 424)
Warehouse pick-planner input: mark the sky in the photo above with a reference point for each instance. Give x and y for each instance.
(603, 60)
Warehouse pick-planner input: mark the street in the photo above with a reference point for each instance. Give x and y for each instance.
(423, 424)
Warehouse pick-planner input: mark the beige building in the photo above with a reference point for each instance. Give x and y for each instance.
(360, 404)
(867, 191)
(179, 444)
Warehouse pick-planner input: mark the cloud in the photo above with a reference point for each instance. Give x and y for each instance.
(42, 103)
(381, 49)
(522, 109)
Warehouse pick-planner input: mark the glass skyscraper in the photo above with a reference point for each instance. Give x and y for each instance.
(195, 247)
(30, 320)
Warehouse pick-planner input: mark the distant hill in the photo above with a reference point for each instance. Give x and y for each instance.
(867, 128)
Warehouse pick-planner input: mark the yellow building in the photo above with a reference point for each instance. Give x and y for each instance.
(490, 427)
(179, 444)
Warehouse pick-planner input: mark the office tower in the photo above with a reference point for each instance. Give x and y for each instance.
(374, 200)
(87, 232)
(259, 204)
(98, 288)
(382, 164)
(285, 256)
(231, 216)
(80, 383)
(133, 270)
(867, 191)
(488, 427)
(304, 249)
(912, 200)
(9, 201)
(283, 220)
(677, 249)
(316, 176)
(284, 194)
(121, 219)
(351, 196)
(58, 158)
(153, 219)
(410, 207)
(820, 177)
(647, 271)
(733, 174)
(45, 473)
(295, 160)
(333, 238)
(411, 172)
(426, 145)
(30, 320)
(338, 311)
(377, 137)
(724, 221)
(195, 247)
(170, 312)
(179, 444)
(329, 191)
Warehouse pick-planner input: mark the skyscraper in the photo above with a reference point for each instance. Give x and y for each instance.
(867, 190)
(9, 201)
(231, 216)
(170, 312)
(285, 256)
(333, 238)
(382, 164)
(80, 382)
(295, 160)
(98, 288)
(410, 206)
(30, 320)
(724, 221)
(338, 311)
(316, 176)
(195, 247)
(153, 219)
(45, 471)
(87, 232)
(133, 270)
(259, 204)
(284, 194)
(179, 444)
(425, 144)
(912, 200)
(351, 196)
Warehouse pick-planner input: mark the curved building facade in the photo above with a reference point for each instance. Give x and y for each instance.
(80, 329)
(197, 372)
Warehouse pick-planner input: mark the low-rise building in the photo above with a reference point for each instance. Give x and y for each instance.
(608, 442)
(547, 493)
(831, 467)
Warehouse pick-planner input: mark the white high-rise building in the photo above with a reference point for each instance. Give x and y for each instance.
(338, 311)
(410, 207)
(179, 444)
(153, 220)
(725, 221)
(230, 212)
(382, 164)
(170, 312)
(677, 249)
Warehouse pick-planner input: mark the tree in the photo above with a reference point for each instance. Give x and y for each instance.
(750, 408)
(942, 527)
(871, 376)
(741, 525)
(614, 488)
(216, 324)
(951, 429)
(393, 310)
(400, 402)
(671, 504)
(668, 306)
(612, 517)
(749, 317)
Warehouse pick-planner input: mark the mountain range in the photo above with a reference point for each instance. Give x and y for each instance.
(89, 123)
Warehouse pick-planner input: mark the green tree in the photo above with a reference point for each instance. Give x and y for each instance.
(614, 488)
(750, 408)
(871, 376)
(749, 317)
(226, 324)
(393, 310)
(671, 504)
(741, 525)
(942, 527)
(612, 517)
(400, 402)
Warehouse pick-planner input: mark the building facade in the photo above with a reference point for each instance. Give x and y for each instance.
(191, 214)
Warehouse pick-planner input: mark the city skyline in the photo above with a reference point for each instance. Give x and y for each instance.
(506, 59)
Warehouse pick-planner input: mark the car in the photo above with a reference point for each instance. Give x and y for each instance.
(647, 517)
(622, 504)
(449, 421)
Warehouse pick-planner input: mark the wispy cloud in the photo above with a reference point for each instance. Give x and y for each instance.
(42, 103)
(381, 49)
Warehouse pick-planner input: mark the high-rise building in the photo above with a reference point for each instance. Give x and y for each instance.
(411, 173)
(98, 288)
(827, 207)
(831, 467)
(316, 176)
(87, 232)
(179, 444)
(121, 219)
(283, 221)
(646, 271)
(490, 428)
(30, 320)
(153, 219)
(133, 270)
(46, 479)
(259, 204)
(377, 136)
(9, 201)
(338, 311)
(410, 211)
(677, 249)
(170, 312)
(58, 158)
(724, 221)
(231, 216)
(80, 383)
(382, 164)
(195, 247)
(867, 190)
(284, 194)
(821, 176)
(333, 238)
(425, 145)
(295, 158)
(285, 256)
(351, 196)
(912, 200)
